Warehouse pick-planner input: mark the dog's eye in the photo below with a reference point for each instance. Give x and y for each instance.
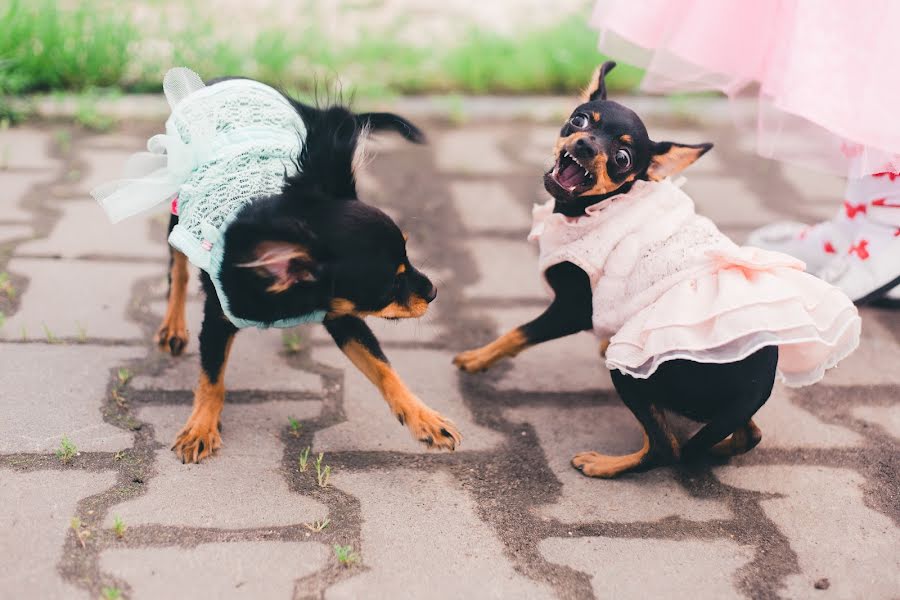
(579, 121)
(623, 159)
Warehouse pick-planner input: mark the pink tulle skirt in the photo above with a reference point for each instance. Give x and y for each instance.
(827, 73)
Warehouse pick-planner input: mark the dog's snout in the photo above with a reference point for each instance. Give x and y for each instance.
(431, 293)
(585, 148)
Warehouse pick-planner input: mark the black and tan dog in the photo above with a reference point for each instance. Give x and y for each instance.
(602, 150)
(313, 247)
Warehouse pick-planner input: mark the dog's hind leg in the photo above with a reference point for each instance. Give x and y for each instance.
(660, 445)
(172, 335)
(742, 440)
(200, 435)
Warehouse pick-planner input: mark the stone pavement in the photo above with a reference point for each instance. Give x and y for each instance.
(813, 512)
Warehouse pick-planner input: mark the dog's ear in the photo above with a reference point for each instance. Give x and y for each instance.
(285, 263)
(385, 121)
(596, 89)
(669, 158)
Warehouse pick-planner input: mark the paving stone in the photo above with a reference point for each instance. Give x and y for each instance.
(370, 424)
(472, 151)
(115, 141)
(257, 362)
(539, 369)
(886, 417)
(728, 202)
(427, 523)
(240, 486)
(815, 184)
(84, 230)
(24, 148)
(102, 166)
(230, 570)
(489, 206)
(13, 188)
(73, 299)
(824, 515)
(538, 149)
(786, 425)
(9, 233)
(874, 362)
(564, 432)
(55, 391)
(652, 568)
(39, 508)
(505, 269)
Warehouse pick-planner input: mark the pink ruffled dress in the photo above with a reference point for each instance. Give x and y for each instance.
(825, 72)
(667, 284)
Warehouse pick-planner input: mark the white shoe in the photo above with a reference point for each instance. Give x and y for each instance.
(870, 269)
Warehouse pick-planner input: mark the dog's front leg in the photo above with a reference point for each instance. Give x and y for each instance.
(200, 435)
(569, 313)
(358, 342)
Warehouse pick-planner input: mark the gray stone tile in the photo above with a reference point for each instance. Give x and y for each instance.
(652, 568)
(472, 151)
(256, 363)
(489, 206)
(114, 141)
(885, 417)
(24, 148)
(543, 368)
(9, 233)
(427, 523)
(786, 425)
(371, 426)
(650, 496)
(102, 166)
(824, 515)
(505, 269)
(226, 570)
(83, 230)
(538, 148)
(38, 509)
(875, 360)
(728, 202)
(238, 487)
(55, 391)
(73, 299)
(13, 188)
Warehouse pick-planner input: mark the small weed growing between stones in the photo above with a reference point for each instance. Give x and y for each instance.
(119, 399)
(317, 526)
(119, 527)
(303, 461)
(295, 426)
(67, 450)
(81, 533)
(51, 339)
(111, 593)
(82, 332)
(6, 286)
(124, 376)
(345, 555)
(322, 473)
(291, 341)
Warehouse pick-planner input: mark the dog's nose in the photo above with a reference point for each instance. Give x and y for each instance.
(431, 294)
(585, 149)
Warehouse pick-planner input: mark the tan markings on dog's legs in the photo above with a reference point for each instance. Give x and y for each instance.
(200, 435)
(743, 440)
(425, 424)
(509, 344)
(172, 335)
(594, 464)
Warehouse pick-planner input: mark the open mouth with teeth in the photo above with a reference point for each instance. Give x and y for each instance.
(571, 175)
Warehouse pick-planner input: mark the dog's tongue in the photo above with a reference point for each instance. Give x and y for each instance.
(571, 175)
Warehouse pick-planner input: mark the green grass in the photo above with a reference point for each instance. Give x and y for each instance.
(345, 555)
(111, 593)
(67, 450)
(119, 527)
(90, 47)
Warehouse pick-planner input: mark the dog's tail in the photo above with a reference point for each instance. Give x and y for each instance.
(329, 151)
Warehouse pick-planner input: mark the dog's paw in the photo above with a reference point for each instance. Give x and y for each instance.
(594, 464)
(430, 428)
(172, 338)
(198, 439)
(473, 361)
